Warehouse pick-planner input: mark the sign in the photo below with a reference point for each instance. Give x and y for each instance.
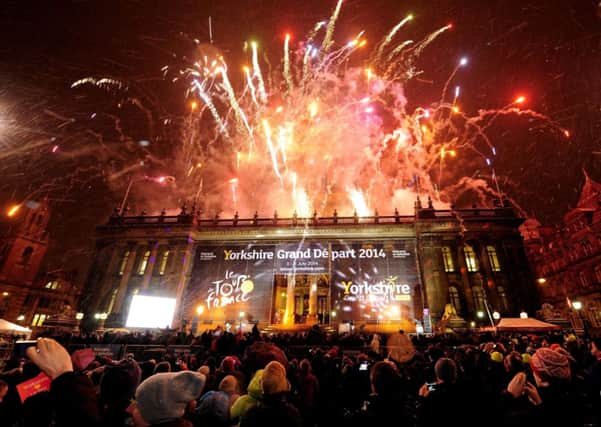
(302, 258)
(229, 279)
(111, 351)
(33, 386)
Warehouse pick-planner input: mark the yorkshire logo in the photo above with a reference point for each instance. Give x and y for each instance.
(347, 285)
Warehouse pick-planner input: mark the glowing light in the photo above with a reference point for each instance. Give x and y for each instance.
(566, 133)
(13, 210)
(480, 314)
(200, 309)
(313, 108)
(496, 315)
(359, 203)
(149, 312)
(523, 315)
(457, 90)
(463, 61)
(55, 149)
(520, 99)
(577, 305)
(193, 105)
(455, 109)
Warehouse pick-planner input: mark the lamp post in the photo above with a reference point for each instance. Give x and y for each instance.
(577, 305)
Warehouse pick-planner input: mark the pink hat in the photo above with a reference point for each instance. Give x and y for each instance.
(549, 364)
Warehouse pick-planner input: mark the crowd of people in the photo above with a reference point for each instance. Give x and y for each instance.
(310, 379)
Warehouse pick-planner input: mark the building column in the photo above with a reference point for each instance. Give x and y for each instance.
(150, 265)
(123, 284)
(465, 281)
(312, 317)
(187, 255)
(108, 280)
(289, 313)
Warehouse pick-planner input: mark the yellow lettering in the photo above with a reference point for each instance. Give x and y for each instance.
(227, 254)
(347, 285)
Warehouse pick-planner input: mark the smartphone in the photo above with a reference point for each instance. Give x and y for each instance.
(364, 366)
(20, 348)
(431, 386)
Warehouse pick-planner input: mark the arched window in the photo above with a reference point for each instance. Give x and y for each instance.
(493, 259)
(454, 298)
(123, 263)
(478, 298)
(143, 263)
(470, 258)
(164, 260)
(598, 273)
(26, 255)
(447, 259)
(583, 279)
(502, 298)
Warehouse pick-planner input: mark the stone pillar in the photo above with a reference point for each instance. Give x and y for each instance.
(470, 310)
(186, 256)
(312, 317)
(123, 284)
(112, 270)
(150, 265)
(289, 313)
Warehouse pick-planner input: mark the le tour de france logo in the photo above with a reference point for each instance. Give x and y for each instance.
(233, 288)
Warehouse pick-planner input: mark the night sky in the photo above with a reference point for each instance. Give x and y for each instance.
(548, 51)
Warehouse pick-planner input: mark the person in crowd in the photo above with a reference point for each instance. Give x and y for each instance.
(442, 398)
(245, 402)
(388, 398)
(162, 399)
(117, 387)
(308, 392)
(213, 410)
(72, 395)
(273, 409)
(229, 385)
(400, 347)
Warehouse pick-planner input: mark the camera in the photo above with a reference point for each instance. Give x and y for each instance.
(20, 348)
(364, 366)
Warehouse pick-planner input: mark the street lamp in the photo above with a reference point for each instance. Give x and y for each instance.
(480, 314)
(577, 305)
(496, 315)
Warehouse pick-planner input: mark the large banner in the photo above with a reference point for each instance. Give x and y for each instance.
(230, 279)
(368, 279)
(374, 280)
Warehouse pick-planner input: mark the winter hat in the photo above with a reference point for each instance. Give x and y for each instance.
(274, 378)
(119, 382)
(228, 364)
(205, 370)
(163, 397)
(229, 384)
(495, 356)
(571, 338)
(213, 409)
(526, 358)
(549, 364)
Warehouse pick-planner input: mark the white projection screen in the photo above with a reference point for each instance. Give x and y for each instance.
(150, 312)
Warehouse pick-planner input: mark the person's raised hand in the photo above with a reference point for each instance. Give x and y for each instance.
(424, 391)
(532, 392)
(51, 357)
(517, 384)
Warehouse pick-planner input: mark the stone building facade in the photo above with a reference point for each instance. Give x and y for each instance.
(567, 261)
(28, 297)
(394, 270)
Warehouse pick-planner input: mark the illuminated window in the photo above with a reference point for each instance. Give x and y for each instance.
(144, 263)
(470, 258)
(123, 263)
(454, 298)
(502, 297)
(164, 260)
(52, 284)
(447, 259)
(583, 279)
(598, 273)
(478, 298)
(38, 319)
(493, 258)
